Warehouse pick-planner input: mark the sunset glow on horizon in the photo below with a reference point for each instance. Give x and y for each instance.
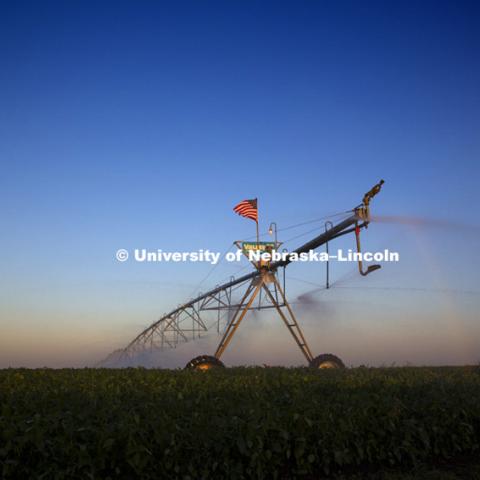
(127, 128)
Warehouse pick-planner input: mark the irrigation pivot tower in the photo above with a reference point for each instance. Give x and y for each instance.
(193, 318)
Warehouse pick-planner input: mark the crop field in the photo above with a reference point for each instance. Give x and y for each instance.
(237, 423)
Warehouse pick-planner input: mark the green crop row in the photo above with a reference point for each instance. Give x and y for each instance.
(231, 423)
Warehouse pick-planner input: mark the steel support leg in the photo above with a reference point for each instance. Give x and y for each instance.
(234, 322)
(292, 325)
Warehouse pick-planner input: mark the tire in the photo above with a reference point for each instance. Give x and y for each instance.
(326, 360)
(203, 363)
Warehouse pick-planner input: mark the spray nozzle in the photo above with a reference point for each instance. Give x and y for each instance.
(372, 192)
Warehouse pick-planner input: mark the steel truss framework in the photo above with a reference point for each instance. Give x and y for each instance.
(212, 311)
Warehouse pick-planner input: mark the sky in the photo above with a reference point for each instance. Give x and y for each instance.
(142, 124)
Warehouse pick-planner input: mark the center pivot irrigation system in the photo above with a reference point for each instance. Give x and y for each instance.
(189, 321)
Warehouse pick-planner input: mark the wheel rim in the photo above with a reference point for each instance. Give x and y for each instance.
(204, 363)
(328, 364)
(205, 366)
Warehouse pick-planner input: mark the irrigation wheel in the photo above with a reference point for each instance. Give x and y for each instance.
(326, 360)
(203, 363)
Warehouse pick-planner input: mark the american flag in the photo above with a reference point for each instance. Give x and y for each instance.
(248, 209)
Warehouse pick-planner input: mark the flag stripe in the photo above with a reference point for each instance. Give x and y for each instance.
(243, 210)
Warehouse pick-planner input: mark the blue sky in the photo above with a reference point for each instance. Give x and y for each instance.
(130, 125)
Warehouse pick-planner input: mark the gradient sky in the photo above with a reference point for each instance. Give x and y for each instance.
(141, 124)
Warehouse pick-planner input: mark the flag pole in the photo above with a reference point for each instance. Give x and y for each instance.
(258, 237)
